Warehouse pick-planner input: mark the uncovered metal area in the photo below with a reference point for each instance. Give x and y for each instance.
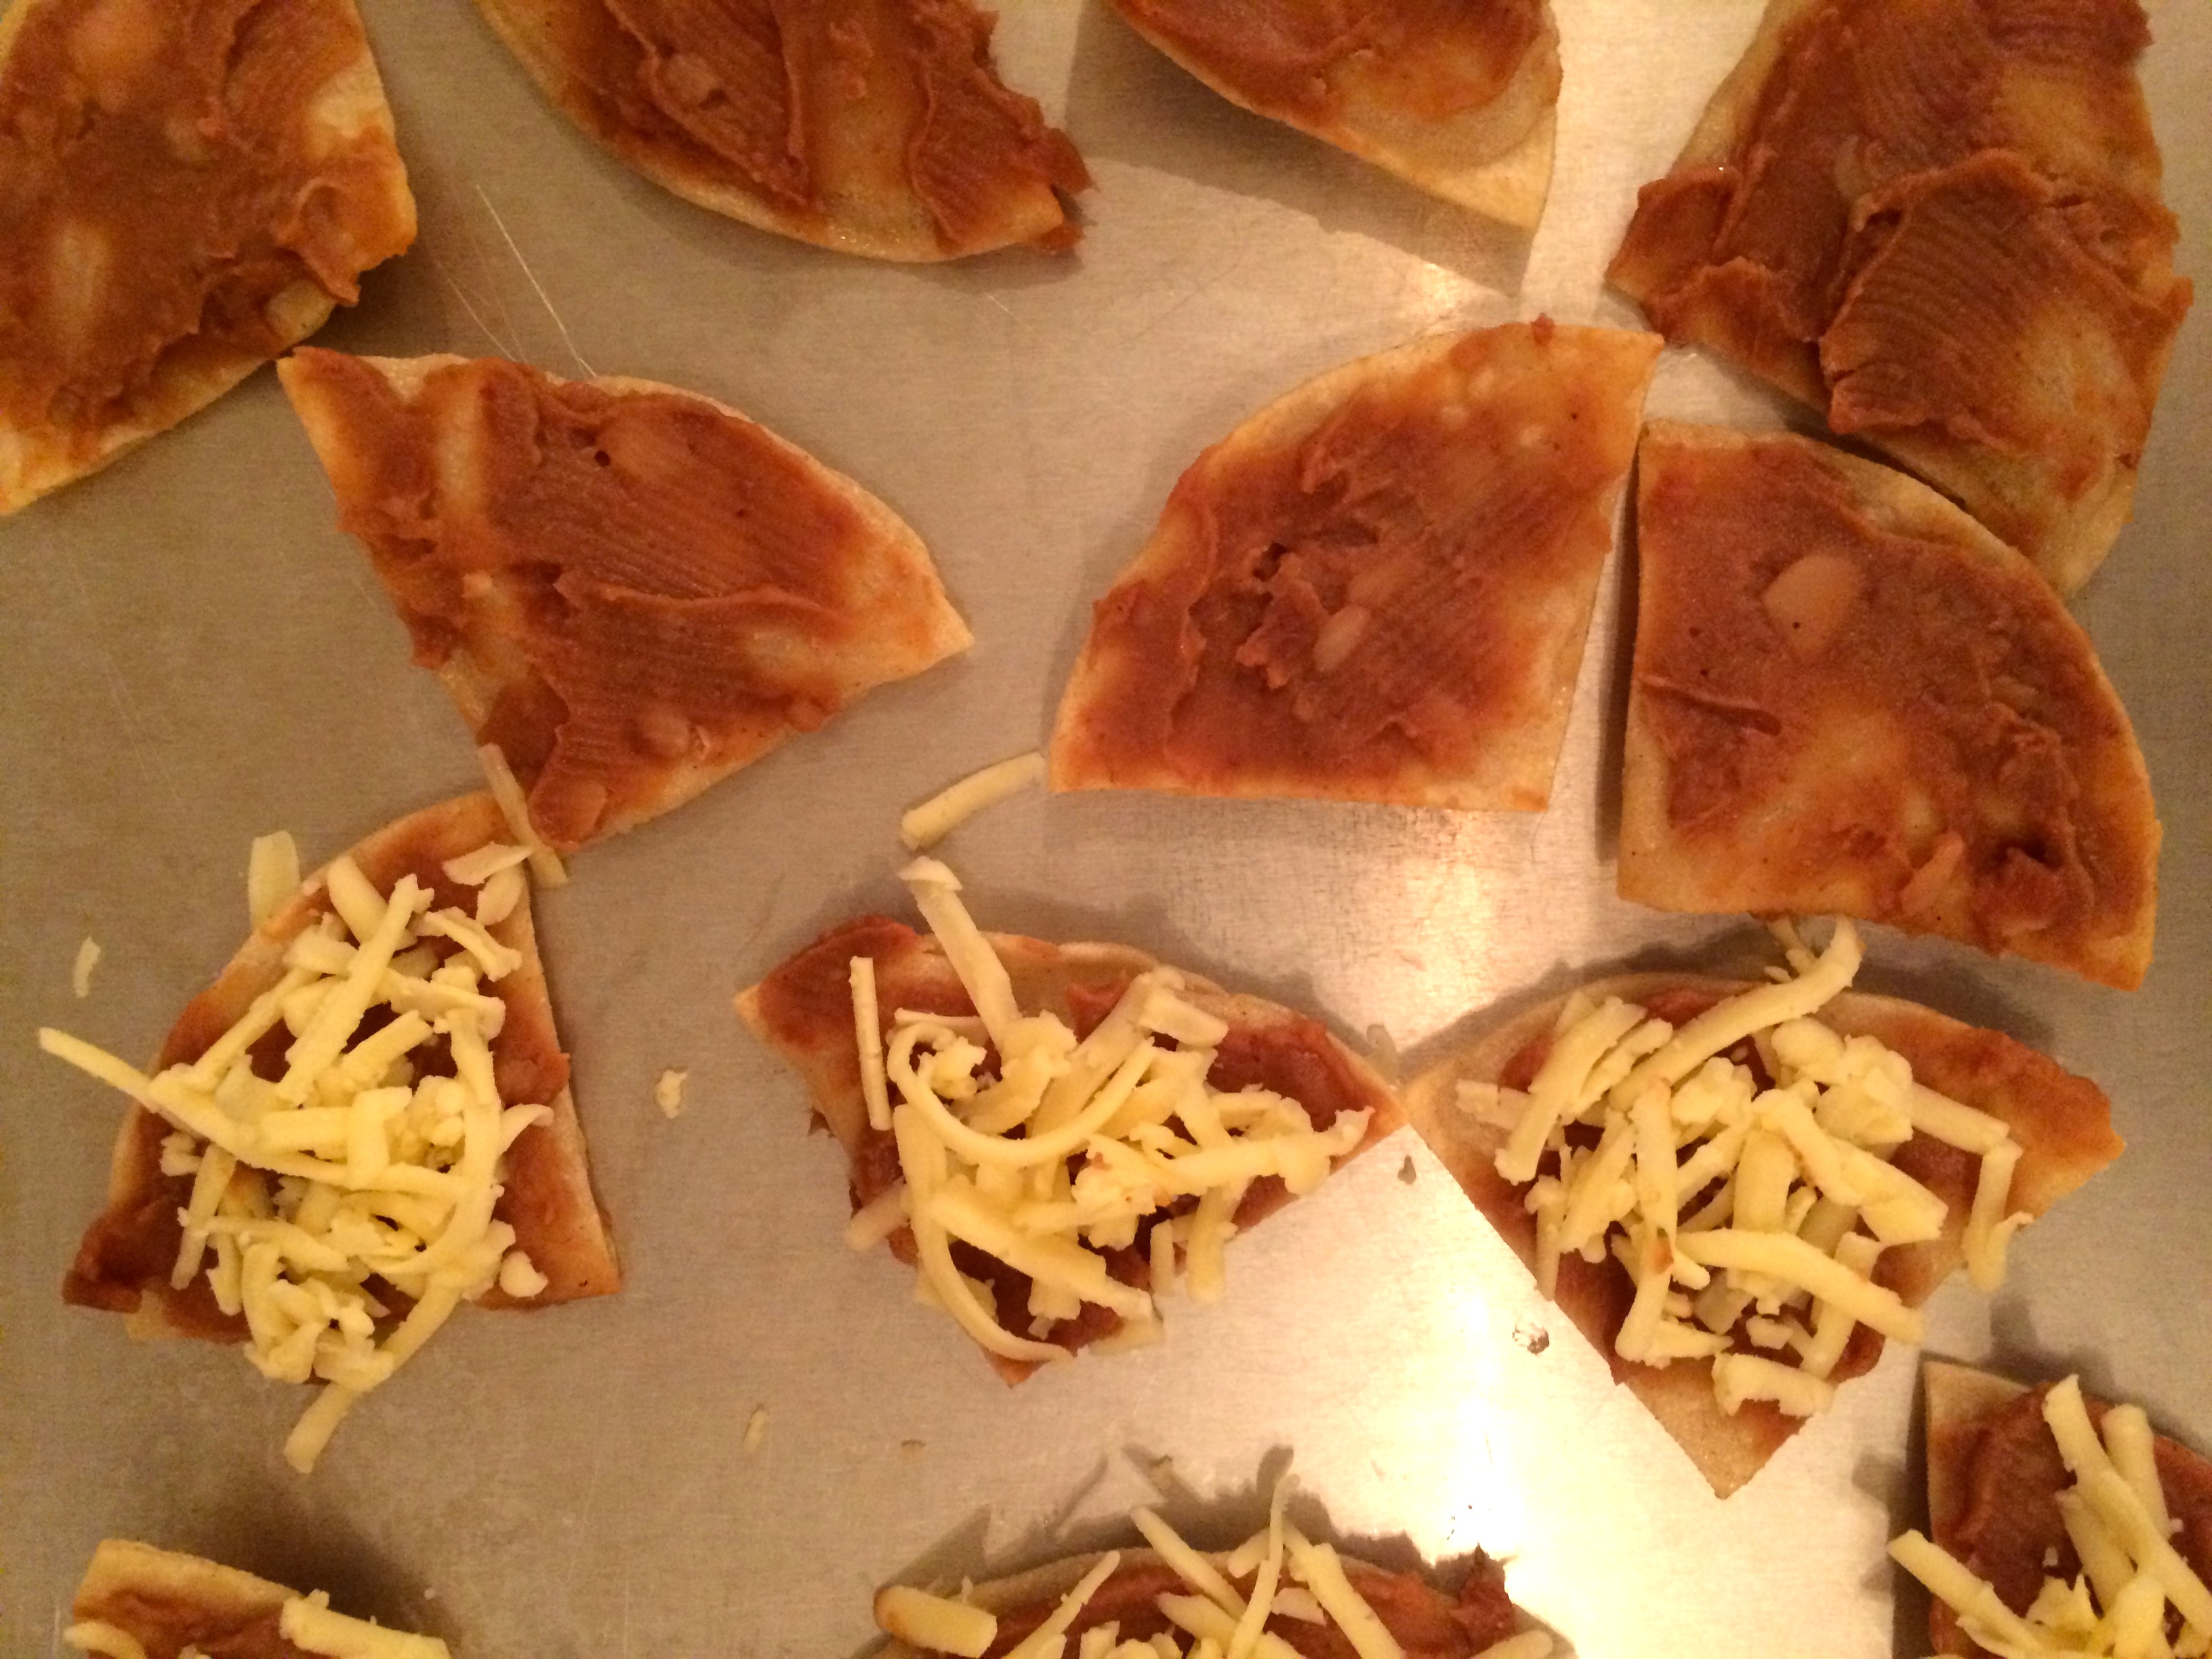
(195, 654)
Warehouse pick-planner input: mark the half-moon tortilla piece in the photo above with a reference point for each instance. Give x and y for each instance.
(187, 189)
(1849, 697)
(803, 1011)
(125, 1261)
(1940, 225)
(1376, 588)
(633, 591)
(1459, 100)
(2062, 1123)
(876, 127)
(168, 1601)
(1994, 1477)
(1426, 1621)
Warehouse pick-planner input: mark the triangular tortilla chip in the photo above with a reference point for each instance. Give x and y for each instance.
(1940, 225)
(876, 127)
(125, 1261)
(168, 1601)
(1375, 589)
(803, 1011)
(227, 195)
(2062, 1123)
(1994, 1476)
(631, 590)
(1459, 102)
(1849, 697)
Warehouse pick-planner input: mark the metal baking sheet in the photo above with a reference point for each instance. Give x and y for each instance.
(194, 654)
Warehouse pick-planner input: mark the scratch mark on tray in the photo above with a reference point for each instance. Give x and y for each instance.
(462, 294)
(142, 751)
(536, 286)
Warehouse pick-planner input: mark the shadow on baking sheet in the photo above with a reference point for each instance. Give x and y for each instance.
(1127, 102)
(1209, 1522)
(274, 1532)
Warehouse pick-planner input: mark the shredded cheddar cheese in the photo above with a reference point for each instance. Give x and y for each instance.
(945, 812)
(1065, 1150)
(2115, 1515)
(1752, 1217)
(358, 1165)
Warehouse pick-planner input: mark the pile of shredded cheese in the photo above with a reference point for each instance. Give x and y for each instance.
(1062, 1150)
(1734, 1205)
(305, 1621)
(350, 1166)
(1212, 1620)
(2115, 1515)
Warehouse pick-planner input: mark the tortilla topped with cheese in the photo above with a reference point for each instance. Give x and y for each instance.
(1077, 1129)
(2041, 1132)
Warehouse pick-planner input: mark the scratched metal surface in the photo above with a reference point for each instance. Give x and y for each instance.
(194, 654)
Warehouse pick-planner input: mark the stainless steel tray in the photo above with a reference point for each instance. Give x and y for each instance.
(194, 654)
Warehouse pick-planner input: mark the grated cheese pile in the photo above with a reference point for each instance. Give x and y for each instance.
(1212, 1620)
(2115, 1515)
(1066, 1149)
(304, 1621)
(1742, 1212)
(355, 1163)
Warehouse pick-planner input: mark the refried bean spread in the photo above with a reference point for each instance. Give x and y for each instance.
(1851, 709)
(809, 106)
(637, 581)
(1374, 590)
(168, 170)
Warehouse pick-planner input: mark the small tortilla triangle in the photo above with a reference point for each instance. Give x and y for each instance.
(1849, 697)
(1459, 102)
(875, 127)
(124, 1264)
(1376, 589)
(120, 315)
(2062, 1123)
(631, 590)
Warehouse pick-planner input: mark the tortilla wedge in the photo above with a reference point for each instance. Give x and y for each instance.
(863, 186)
(71, 405)
(2062, 1123)
(1421, 1617)
(124, 1263)
(802, 1011)
(1849, 697)
(1964, 1405)
(726, 590)
(1378, 588)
